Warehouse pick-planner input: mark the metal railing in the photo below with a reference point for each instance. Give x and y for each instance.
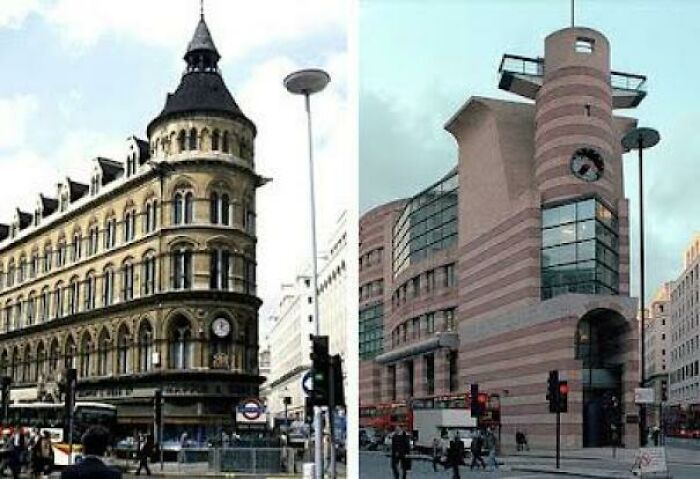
(535, 67)
(248, 460)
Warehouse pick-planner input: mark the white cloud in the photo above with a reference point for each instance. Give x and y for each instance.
(15, 113)
(283, 205)
(13, 12)
(237, 27)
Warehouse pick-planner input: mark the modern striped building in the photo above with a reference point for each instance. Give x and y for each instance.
(517, 261)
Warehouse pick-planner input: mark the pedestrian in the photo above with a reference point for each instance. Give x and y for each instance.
(518, 440)
(95, 442)
(42, 455)
(14, 461)
(144, 454)
(19, 441)
(491, 444)
(400, 447)
(455, 455)
(526, 446)
(437, 453)
(476, 448)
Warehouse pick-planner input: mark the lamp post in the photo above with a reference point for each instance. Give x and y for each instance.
(308, 82)
(640, 139)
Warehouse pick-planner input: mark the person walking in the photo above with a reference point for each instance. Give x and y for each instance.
(400, 447)
(437, 453)
(95, 442)
(491, 445)
(476, 448)
(42, 455)
(145, 453)
(455, 455)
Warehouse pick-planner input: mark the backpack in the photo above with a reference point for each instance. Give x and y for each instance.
(45, 447)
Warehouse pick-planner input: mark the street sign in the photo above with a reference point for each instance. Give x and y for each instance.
(251, 410)
(307, 382)
(643, 395)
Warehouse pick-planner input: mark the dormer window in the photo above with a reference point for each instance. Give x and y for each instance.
(95, 184)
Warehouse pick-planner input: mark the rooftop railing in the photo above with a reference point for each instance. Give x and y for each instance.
(535, 67)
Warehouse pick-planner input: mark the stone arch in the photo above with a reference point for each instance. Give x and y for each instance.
(124, 342)
(54, 356)
(145, 344)
(180, 335)
(86, 353)
(70, 351)
(103, 348)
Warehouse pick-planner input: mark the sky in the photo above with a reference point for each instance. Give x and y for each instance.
(420, 61)
(79, 77)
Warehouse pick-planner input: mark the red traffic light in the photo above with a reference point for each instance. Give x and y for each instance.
(482, 398)
(563, 388)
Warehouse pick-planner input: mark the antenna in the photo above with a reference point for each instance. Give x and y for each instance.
(572, 12)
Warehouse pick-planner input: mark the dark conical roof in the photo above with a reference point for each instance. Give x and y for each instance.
(202, 39)
(201, 89)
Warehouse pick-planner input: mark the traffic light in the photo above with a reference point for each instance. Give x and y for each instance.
(308, 410)
(553, 390)
(320, 370)
(157, 410)
(563, 396)
(337, 378)
(5, 382)
(475, 405)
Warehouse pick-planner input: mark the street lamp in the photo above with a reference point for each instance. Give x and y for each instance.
(640, 139)
(308, 82)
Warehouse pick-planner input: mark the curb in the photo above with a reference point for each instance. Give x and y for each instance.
(576, 472)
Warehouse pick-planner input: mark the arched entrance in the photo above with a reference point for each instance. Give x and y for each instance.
(600, 337)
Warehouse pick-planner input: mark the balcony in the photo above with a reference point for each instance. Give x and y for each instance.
(524, 76)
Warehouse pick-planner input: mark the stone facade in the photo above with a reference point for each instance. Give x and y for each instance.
(124, 278)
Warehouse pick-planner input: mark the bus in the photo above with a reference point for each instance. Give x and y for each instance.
(51, 417)
(385, 417)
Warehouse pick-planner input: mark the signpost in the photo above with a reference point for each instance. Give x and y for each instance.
(651, 462)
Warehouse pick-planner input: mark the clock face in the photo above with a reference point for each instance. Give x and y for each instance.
(587, 164)
(221, 327)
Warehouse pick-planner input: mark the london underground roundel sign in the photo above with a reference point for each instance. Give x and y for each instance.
(251, 409)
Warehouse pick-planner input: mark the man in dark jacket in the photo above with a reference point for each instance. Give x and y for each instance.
(95, 442)
(400, 447)
(455, 455)
(477, 448)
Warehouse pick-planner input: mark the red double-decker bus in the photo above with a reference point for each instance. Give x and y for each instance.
(385, 417)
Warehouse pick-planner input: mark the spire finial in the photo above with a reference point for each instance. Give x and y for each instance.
(201, 8)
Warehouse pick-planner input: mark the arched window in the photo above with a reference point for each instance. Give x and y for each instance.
(93, 240)
(58, 300)
(103, 344)
(69, 353)
(7, 316)
(85, 355)
(61, 253)
(189, 198)
(215, 140)
(128, 280)
(26, 365)
(16, 365)
(225, 207)
(54, 355)
(11, 273)
(33, 265)
(178, 208)
(48, 258)
(110, 233)
(4, 363)
(150, 218)
(181, 268)
(123, 356)
(31, 308)
(22, 269)
(193, 139)
(214, 207)
(73, 295)
(45, 306)
(129, 225)
(148, 276)
(181, 344)
(225, 142)
(181, 141)
(90, 291)
(19, 310)
(40, 362)
(219, 268)
(145, 346)
(107, 286)
(77, 243)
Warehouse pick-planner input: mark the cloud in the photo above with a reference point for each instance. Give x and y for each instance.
(238, 28)
(15, 113)
(14, 12)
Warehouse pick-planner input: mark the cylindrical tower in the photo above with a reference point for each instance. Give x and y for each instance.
(576, 151)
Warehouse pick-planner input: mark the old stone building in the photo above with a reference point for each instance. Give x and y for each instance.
(145, 277)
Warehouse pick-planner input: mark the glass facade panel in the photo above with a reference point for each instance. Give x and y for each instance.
(427, 224)
(579, 249)
(371, 331)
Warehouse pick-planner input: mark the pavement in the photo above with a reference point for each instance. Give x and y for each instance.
(683, 461)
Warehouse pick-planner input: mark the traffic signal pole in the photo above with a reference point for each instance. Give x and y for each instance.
(331, 416)
(558, 436)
